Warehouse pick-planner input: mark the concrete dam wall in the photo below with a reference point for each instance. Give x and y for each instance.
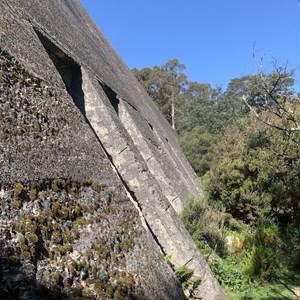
(92, 177)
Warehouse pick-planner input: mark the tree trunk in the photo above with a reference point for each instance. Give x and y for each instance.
(173, 111)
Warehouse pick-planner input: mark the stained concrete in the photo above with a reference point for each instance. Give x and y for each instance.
(105, 128)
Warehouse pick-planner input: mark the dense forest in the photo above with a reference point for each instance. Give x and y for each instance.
(244, 144)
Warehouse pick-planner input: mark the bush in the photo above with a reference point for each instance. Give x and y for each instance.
(292, 245)
(262, 260)
(183, 273)
(197, 145)
(205, 224)
(229, 273)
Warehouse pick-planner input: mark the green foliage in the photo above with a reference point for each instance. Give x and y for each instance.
(291, 237)
(184, 274)
(262, 259)
(263, 161)
(164, 84)
(204, 224)
(167, 258)
(254, 172)
(239, 285)
(199, 108)
(229, 273)
(244, 142)
(240, 176)
(255, 256)
(258, 90)
(197, 145)
(255, 291)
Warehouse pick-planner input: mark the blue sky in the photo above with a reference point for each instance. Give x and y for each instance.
(216, 40)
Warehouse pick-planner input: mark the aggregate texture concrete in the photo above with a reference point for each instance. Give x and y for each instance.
(78, 131)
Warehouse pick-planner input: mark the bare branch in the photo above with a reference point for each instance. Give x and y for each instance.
(287, 131)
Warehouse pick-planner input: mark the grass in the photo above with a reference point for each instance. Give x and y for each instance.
(284, 289)
(256, 265)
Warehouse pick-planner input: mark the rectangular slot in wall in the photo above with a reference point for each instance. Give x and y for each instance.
(68, 69)
(112, 96)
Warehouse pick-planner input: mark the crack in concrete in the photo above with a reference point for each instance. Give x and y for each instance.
(130, 193)
(150, 158)
(123, 150)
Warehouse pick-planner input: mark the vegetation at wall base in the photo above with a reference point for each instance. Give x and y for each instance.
(253, 264)
(184, 274)
(244, 144)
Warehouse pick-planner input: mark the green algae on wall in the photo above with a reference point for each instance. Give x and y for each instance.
(52, 225)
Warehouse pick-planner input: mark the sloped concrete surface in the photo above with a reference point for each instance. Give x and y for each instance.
(74, 117)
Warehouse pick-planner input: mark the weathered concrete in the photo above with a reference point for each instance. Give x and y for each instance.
(80, 113)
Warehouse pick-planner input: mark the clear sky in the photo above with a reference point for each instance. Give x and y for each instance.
(216, 40)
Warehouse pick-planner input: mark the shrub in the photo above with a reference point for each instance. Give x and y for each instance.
(197, 145)
(235, 242)
(262, 260)
(229, 273)
(167, 258)
(205, 223)
(183, 273)
(292, 245)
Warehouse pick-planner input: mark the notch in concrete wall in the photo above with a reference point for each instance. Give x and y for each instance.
(150, 125)
(112, 96)
(68, 69)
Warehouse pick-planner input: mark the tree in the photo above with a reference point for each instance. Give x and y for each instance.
(279, 101)
(199, 108)
(165, 85)
(198, 145)
(256, 167)
(254, 91)
(174, 84)
(239, 176)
